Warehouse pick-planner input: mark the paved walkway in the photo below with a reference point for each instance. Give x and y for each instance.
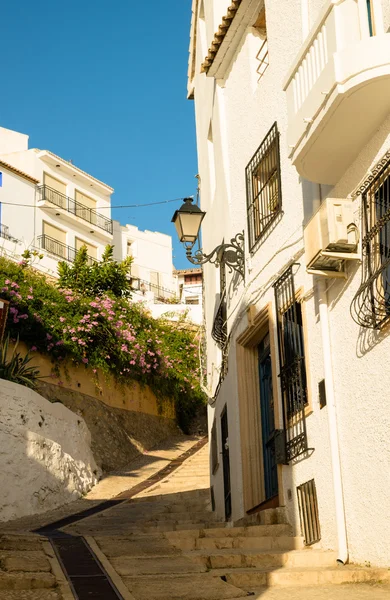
(165, 543)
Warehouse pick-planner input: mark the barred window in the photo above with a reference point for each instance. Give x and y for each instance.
(292, 364)
(371, 304)
(263, 185)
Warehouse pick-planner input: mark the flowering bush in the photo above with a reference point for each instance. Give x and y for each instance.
(103, 332)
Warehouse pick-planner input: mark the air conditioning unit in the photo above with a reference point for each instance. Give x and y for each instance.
(331, 237)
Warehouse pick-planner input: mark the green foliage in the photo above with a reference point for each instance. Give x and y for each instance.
(103, 331)
(96, 278)
(17, 368)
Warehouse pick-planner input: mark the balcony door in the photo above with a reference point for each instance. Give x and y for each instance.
(85, 207)
(54, 240)
(55, 190)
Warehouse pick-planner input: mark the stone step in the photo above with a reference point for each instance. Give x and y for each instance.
(38, 594)
(222, 531)
(26, 581)
(145, 545)
(20, 542)
(24, 561)
(183, 517)
(164, 565)
(250, 579)
(358, 591)
(182, 587)
(254, 559)
(249, 543)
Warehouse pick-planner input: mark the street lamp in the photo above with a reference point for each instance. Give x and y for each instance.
(187, 220)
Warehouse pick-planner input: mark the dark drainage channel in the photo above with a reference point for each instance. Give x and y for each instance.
(86, 575)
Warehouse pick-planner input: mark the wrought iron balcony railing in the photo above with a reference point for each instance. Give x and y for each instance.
(4, 232)
(90, 215)
(60, 250)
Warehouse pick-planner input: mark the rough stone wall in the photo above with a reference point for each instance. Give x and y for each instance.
(45, 455)
(118, 435)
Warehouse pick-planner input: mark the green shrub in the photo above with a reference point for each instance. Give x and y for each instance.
(17, 368)
(105, 332)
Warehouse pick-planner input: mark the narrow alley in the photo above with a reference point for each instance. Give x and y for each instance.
(151, 535)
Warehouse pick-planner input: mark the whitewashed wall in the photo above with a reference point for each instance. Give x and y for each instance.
(45, 455)
(240, 110)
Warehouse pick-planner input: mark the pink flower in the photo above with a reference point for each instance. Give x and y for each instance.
(85, 360)
(30, 297)
(62, 319)
(94, 370)
(7, 282)
(33, 348)
(49, 337)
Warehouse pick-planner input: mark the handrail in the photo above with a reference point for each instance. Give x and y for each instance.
(61, 250)
(75, 208)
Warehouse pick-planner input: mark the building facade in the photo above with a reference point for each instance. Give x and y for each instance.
(293, 136)
(55, 207)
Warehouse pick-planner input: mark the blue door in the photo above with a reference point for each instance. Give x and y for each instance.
(267, 419)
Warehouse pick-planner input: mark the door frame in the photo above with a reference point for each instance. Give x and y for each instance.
(259, 323)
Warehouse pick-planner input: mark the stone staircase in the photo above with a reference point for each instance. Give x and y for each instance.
(26, 569)
(170, 546)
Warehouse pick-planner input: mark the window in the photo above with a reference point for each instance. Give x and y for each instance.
(53, 240)
(91, 250)
(371, 304)
(54, 191)
(264, 197)
(193, 279)
(292, 364)
(219, 331)
(192, 300)
(85, 207)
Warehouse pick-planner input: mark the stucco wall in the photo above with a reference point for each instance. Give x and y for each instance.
(45, 455)
(240, 110)
(360, 361)
(103, 387)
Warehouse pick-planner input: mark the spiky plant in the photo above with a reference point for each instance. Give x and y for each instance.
(17, 368)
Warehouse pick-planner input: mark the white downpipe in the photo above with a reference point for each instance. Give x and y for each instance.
(305, 18)
(333, 432)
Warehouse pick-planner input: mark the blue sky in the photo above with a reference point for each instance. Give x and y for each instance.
(104, 84)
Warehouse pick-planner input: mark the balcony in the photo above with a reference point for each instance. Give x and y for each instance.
(60, 250)
(338, 90)
(47, 197)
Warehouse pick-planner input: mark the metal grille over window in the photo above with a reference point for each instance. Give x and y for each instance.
(219, 331)
(292, 364)
(308, 512)
(263, 185)
(370, 307)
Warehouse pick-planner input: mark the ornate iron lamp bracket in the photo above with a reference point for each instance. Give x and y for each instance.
(232, 255)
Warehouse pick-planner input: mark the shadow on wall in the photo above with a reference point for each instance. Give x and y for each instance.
(45, 454)
(118, 435)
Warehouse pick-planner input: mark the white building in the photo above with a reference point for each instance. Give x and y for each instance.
(49, 204)
(152, 265)
(297, 350)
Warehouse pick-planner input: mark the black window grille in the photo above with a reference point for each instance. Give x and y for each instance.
(371, 305)
(263, 187)
(292, 364)
(219, 331)
(308, 512)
